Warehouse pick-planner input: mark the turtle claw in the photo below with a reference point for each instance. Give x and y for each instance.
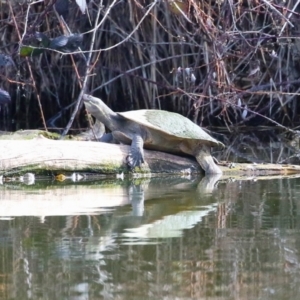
(134, 160)
(136, 155)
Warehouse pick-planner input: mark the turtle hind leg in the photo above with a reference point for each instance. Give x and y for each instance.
(207, 162)
(108, 138)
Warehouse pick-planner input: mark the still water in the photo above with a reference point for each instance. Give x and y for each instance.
(175, 238)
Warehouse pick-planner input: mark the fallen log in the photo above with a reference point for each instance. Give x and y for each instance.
(44, 155)
(70, 156)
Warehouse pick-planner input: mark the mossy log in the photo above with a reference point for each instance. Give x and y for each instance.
(42, 155)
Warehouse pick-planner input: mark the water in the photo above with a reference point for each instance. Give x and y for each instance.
(175, 238)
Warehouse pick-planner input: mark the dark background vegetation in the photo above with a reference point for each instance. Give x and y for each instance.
(222, 63)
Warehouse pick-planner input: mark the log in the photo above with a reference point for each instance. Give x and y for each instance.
(42, 156)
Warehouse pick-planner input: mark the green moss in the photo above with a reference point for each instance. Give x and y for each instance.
(28, 135)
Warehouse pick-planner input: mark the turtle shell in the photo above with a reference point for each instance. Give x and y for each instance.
(171, 125)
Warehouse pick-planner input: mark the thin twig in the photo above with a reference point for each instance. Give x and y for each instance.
(30, 70)
(85, 81)
(278, 12)
(290, 14)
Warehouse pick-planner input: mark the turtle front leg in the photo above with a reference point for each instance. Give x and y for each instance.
(136, 155)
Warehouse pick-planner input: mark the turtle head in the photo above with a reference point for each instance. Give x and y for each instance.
(97, 108)
(91, 103)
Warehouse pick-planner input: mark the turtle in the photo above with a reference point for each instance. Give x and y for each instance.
(155, 130)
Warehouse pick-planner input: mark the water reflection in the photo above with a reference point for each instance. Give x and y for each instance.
(151, 239)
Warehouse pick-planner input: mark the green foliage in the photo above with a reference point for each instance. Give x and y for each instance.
(61, 43)
(30, 51)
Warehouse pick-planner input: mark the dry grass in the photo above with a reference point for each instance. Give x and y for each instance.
(217, 62)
